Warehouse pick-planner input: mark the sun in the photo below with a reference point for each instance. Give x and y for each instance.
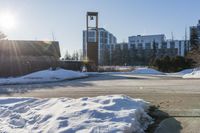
(7, 20)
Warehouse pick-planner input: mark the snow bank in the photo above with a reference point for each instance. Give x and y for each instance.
(194, 74)
(186, 71)
(103, 114)
(43, 76)
(146, 71)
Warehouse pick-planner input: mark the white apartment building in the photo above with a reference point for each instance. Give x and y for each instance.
(180, 45)
(146, 42)
(106, 40)
(146, 39)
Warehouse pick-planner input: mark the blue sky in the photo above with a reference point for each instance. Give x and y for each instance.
(37, 19)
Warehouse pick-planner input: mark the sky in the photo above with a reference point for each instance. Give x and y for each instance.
(38, 19)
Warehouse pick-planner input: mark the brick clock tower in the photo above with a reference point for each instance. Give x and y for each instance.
(92, 44)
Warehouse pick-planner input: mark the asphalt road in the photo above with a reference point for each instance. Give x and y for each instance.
(177, 97)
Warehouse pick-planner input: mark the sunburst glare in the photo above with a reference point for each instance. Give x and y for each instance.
(7, 20)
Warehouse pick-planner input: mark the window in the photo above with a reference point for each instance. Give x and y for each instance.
(180, 48)
(156, 45)
(164, 45)
(101, 34)
(110, 38)
(132, 46)
(91, 39)
(172, 45)
(148, 46)
(140, 46)
(91, 34)
(108, 46)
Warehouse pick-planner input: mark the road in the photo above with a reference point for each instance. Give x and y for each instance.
(177, 97)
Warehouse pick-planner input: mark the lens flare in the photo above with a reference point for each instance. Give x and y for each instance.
(7, 20)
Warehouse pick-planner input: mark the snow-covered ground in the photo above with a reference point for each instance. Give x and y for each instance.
(146, 70)
(180, 73)
(43, 76)
(194, 74)
(185, 71)
(102, 114)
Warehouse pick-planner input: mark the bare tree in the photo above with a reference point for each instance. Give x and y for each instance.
(67, 56)
(2, 36)
(80, 54)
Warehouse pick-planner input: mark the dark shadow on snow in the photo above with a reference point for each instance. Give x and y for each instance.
(163, 122)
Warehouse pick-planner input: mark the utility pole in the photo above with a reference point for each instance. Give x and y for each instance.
(172, 34)
(186, 42)
(53, 36)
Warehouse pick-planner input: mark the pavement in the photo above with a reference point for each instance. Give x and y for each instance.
(178, 98)
(179, 125)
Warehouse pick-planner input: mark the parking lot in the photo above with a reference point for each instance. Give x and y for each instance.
(177, 97)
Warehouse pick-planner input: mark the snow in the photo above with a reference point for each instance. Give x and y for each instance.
(43, 76)
(105, 114)
(185, 71)
(123, 68)
(146, 70)
(115, 68)
(194, 74)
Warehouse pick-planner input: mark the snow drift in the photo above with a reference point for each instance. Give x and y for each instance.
(146, 71)
(194, 74)
(185, 71)
(43, 76)
(105, 114)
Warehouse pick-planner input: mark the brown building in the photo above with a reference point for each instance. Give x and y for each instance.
(21, 57)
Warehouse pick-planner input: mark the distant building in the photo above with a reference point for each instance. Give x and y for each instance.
(122, 45)
(139, 49)
(145, 41)
(180, 45)
(106, 43)
(164, 47)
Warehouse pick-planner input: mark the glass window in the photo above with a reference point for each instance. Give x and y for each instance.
(172, 45)
(180, 48)
(164, 45)
(91, 39)
(132, 46)
(91, 34)
(140, 46)
(156, 45)
(148, 46)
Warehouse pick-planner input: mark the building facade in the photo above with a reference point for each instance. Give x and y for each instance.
(106, 44)
(122, 46)
(197, 28)
(145, 41)
(164, 47)
(19, 57)
(139, 50)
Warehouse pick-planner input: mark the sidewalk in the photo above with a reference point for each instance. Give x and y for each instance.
(178, 121)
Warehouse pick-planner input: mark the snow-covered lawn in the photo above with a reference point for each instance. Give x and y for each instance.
(193, 74)
(183, 72)
(102, 114)
(43, 76)
(146, 70)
